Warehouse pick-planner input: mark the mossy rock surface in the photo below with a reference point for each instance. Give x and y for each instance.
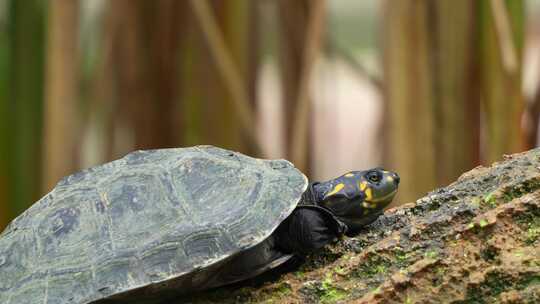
(474, 241)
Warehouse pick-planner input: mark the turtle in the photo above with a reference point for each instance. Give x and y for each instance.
(168, 222)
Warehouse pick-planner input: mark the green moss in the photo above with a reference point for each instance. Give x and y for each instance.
(300, 274)
(283, 290)
(496, 283)
(493, 199)
(332, 295)
(489, 253)
(490, 199)
(375, 265)
(340, 270)
(359, 245)
(476, 201)
(533, 234)
(275, 294)
(435, 205)
(403, 259)
(480, 228)
(483, 223)
(381, 268)
(326, 291)
(521, 189)
(439, 273)
(530, 223)
(529, 280)
(321, 258)
(432, 254)
(531, 216)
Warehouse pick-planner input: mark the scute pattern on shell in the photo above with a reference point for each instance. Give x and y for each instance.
(143, 221)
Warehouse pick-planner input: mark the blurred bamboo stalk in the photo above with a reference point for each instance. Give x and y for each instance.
(229, 70)
(146, 37)
(313, 43)
(531, 116)
(504, 35)
(240, 23)
(60, 116)
(532, 120)
(333, 47)
(501, 83)
(431, 94)
(295, 20)
(455, 88)
(410, 101)
(441, 59)
(293, 16)
(5, 123)
(27, 31)
(102, 104)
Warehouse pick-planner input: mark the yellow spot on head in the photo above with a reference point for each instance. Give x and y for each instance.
(369, 205)
(369, 194)
(349, 175)
(389, 178)
(335, 190)
(363, 186)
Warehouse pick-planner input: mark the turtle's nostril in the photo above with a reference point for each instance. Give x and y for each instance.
(396, 178)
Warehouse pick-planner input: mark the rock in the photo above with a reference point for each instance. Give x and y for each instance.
(474, 241)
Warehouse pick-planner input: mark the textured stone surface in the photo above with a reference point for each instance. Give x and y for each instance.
(143, 222)
(474, 241)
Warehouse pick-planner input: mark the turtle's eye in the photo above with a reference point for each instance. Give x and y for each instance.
(374, 177)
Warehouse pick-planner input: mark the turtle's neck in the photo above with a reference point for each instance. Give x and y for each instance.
(320, 189)
(313, 198)
(315, 193)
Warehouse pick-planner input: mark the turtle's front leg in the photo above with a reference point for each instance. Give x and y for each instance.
(305, 231)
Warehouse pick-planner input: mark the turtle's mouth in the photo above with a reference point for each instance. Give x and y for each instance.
(355, 221)
(385, 198)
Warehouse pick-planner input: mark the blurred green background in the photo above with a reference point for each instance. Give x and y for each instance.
(427, 88)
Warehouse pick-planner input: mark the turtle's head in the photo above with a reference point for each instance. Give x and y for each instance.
(357, 198)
